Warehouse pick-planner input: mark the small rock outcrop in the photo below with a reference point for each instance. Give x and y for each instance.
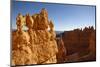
(37, 45)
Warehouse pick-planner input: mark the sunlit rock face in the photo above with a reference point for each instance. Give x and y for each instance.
(37, 45)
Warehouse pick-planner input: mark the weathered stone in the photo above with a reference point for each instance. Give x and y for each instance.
(20, 21)
(35, 45)
(52, 32)
(61, 55)
(30, 24)
(81, 42)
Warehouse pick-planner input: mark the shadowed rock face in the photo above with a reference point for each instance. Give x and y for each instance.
(37, 45)
(61, 55)
(80, 44)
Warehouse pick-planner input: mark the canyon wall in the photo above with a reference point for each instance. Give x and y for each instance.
(80, 43)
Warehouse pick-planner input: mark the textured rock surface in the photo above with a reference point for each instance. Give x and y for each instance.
(37, 45)
(81, 44)
(61, 55)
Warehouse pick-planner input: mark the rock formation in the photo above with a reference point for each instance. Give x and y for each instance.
(61, 55)
(40, 45)
(81, 43)
(37, 45)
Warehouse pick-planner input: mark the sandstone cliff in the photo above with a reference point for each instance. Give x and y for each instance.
(80, 44)
(37, 45)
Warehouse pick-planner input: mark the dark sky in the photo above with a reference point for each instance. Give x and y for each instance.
(64, 16)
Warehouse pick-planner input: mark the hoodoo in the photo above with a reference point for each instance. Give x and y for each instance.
(37, 45)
